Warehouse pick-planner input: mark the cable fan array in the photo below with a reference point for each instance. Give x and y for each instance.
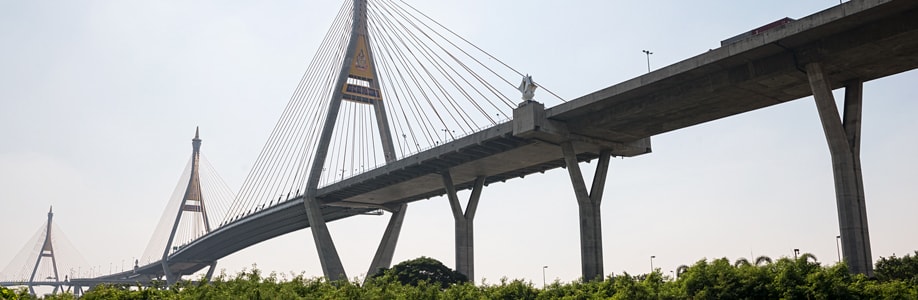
(215, 199)
(434, 86)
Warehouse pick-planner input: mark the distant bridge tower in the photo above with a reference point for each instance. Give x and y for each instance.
(47, 250)
(192, 203)
(357, 82)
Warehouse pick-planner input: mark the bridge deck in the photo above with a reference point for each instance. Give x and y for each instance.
(859, 40)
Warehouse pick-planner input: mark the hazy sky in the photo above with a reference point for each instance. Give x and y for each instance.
(99, 101)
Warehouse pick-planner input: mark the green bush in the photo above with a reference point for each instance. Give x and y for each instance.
(425, 278)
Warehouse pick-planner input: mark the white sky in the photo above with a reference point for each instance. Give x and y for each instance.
(99, 100)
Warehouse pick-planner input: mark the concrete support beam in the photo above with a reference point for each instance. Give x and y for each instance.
(844, 139)
(210, 271)
(170, 278)
(590, 213)
(383, 257)
(328, 254)
(465, 241)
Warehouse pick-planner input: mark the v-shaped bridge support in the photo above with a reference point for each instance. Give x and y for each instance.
(464, 222)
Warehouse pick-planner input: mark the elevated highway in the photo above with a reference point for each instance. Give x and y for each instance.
(851, 43)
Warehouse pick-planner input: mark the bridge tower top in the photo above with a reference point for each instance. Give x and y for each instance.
(196, 142)
(357, 82)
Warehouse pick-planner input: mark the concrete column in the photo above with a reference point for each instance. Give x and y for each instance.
(210, 271)
(170, 278)
(843, 138)
(465, 246)
(328, 254)
(383, 257)
(590, 213)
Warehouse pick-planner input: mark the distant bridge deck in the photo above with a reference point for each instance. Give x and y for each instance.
(859, 40)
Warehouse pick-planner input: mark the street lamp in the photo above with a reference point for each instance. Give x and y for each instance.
(445, 134)
(651, 262)
(838, 246)
(796, 251)
(404, 138)
(648, 53)
(543, 276)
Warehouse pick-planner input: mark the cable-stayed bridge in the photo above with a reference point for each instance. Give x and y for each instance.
(332, 171)
(48, 259)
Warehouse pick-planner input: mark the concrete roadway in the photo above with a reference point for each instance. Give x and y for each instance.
(859, 40)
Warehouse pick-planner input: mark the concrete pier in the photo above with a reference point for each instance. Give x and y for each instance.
(383, 257)
(590, 214)
(844, 139)
(465, 242)
(328, 254)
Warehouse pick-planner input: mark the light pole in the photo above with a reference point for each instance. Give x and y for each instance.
(445, 134)
(651, 262)
(543, 276)
(796, 251)
(648, 59)
(404, 138)
(838, 246)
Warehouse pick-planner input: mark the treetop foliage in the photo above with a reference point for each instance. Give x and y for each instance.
(413, 272)
(785, 278)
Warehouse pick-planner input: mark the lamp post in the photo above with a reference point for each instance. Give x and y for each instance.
(651, 262)
(445, 135)
(404, 138)
(648, 53)
(796, 251)
(838, 246)
(543, 276)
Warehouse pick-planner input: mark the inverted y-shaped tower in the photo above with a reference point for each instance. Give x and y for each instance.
(192, 203)
(357, 82)
(47, 250)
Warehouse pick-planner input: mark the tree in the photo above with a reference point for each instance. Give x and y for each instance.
(681, 270)
(898, 268)
(807, 257)
(432, 271)
(741, 262)
(6, 293)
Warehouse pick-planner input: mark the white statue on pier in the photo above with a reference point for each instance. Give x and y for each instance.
(527, 87)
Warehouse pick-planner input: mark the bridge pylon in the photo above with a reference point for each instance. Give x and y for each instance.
(47, 251)
(357, 82)
(193, 203)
